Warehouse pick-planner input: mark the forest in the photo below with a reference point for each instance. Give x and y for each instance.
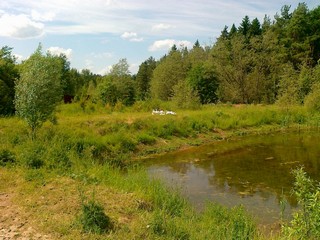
(273, 61)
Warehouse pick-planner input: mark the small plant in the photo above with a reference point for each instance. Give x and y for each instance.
(93, 219)
(6, 157)
(306, 222)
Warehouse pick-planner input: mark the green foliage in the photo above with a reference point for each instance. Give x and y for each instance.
(38, 91)
(7, 157)
(167, 74)
(289, 88)
(108, 92)
(185, 97)
(306, 221)
(204, 81)
(143, 78)
(93, 219)
(8, 75)
(312, 101)
(118, 86)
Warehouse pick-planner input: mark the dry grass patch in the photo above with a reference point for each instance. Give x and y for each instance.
(52, 206)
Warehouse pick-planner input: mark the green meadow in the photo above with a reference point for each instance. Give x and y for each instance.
(82, 177)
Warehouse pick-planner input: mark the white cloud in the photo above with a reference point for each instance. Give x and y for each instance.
(127, 35)
(166, 44)
(20, 26)
(105, 70)
(133, 68)
(132, 37)
(161, 27)
(58, 50)
(193, 18)
(42, 17)
(19, 58)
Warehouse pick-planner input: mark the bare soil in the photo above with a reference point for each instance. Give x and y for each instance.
(13, 224)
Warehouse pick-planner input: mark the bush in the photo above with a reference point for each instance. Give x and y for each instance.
(93, 219)
(6, 157)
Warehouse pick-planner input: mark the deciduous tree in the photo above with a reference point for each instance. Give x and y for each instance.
(39, 90)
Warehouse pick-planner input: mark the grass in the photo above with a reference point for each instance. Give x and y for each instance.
(97, 152)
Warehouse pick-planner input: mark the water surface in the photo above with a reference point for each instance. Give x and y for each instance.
(253, 171)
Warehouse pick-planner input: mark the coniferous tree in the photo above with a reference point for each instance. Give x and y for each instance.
(255, 28)
(143, 78)
(8, 75)
(245, 26)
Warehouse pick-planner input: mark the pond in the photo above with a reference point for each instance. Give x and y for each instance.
(254, 171)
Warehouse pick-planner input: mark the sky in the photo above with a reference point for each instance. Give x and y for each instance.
(96, 34)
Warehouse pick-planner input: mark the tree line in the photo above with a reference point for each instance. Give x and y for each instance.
(273, 61)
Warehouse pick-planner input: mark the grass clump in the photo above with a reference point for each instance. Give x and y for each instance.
(32, 156)
(6, 157)
(219, 222)
(93, 219)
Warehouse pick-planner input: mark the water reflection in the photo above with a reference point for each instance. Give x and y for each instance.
(252, 171)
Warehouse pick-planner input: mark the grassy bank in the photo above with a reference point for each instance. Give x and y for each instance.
(91, 158)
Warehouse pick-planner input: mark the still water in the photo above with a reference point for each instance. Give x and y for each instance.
(255, 172)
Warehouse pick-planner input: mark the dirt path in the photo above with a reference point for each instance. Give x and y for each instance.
(12, 223)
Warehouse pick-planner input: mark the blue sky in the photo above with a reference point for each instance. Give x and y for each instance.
(95, 34)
